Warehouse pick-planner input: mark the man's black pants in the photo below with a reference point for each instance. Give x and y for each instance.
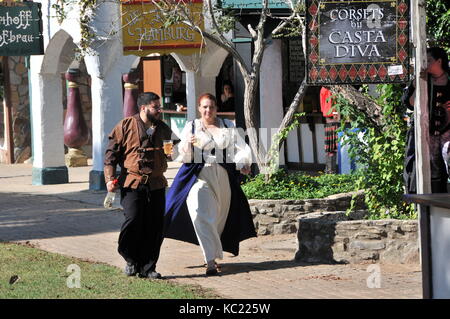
(141, 234)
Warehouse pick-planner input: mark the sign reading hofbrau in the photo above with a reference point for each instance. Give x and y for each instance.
(21, 29)
(144, 32)
(357, 41)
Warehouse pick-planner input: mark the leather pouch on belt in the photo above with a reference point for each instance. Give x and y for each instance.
(146, 161)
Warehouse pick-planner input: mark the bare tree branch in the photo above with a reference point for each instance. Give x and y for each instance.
(224, 43)
(361, 102)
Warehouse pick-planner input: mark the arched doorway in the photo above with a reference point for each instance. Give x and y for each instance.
(47, 110)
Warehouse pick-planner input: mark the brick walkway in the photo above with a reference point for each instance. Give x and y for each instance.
(70, 220)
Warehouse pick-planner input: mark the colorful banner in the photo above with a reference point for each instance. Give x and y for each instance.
(21, 29)
(357, 41)
(144, 32)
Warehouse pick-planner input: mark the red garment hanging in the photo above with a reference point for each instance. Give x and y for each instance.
(325, 102)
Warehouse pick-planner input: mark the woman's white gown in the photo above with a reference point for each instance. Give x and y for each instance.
(208, 201)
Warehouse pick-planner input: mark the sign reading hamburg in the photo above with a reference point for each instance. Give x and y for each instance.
(357, 41)
(144, 31)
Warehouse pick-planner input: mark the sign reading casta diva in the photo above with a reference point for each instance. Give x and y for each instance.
(21, 29)
(144, 31)
(357, 41)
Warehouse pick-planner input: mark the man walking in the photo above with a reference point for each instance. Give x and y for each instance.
(136, 144)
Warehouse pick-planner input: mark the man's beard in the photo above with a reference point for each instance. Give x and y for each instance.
(152, 118)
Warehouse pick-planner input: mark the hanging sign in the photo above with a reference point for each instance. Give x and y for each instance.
(357, 42)
(256, 4)
(21, 29)
(144, 32)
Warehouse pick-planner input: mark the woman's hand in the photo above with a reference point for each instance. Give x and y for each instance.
(192, 139)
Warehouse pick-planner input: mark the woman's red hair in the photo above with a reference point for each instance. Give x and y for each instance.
(208, 96)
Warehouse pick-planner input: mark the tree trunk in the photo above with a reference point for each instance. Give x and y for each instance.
(251, 89)
(361, 102)
(287, 120)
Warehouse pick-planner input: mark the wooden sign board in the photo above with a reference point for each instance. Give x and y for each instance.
(144, 32)
(353, 42)
(21, 29)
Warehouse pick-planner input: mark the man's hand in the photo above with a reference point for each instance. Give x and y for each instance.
(180, 107)
(112, 186)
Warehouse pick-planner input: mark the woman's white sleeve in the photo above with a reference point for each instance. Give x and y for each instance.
(184, 151)
(242, 152)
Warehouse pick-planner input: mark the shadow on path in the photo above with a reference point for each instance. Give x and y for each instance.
(27, 217)
(244, 267)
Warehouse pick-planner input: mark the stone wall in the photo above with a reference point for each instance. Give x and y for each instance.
(390, 241)
(18, 76)
(327, 234)
(282, 216)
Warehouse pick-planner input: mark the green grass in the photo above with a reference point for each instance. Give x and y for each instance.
(44, 275)
(284, 185)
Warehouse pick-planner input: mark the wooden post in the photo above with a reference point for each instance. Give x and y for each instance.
(421, 117)
(423, 175)
(9, 140)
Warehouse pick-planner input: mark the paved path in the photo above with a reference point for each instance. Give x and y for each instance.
(69, 219)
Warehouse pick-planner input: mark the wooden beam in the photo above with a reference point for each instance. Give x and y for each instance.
(9, 140)
(421, 116)
(421, 120)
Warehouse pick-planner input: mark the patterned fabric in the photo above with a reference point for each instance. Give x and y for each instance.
(331, 138)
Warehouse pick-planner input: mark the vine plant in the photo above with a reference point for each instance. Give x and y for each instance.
(379, 153)
(87, 12)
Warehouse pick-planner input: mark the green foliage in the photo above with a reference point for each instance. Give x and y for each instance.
(284, 185)
(60, 10)
(438, 23)
(87, 34)
(87, 12)
(380, 153)
(225, 18)
(274, 152)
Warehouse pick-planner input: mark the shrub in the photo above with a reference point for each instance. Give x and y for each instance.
(380, 153)
(284, 185)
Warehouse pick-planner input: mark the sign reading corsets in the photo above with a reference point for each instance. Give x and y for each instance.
(357, 41)
(21, 29)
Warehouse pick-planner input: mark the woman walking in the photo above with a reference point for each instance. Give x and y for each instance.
(205, 204)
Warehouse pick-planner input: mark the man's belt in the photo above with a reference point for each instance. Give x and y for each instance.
(148, 149)
(143, 178)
